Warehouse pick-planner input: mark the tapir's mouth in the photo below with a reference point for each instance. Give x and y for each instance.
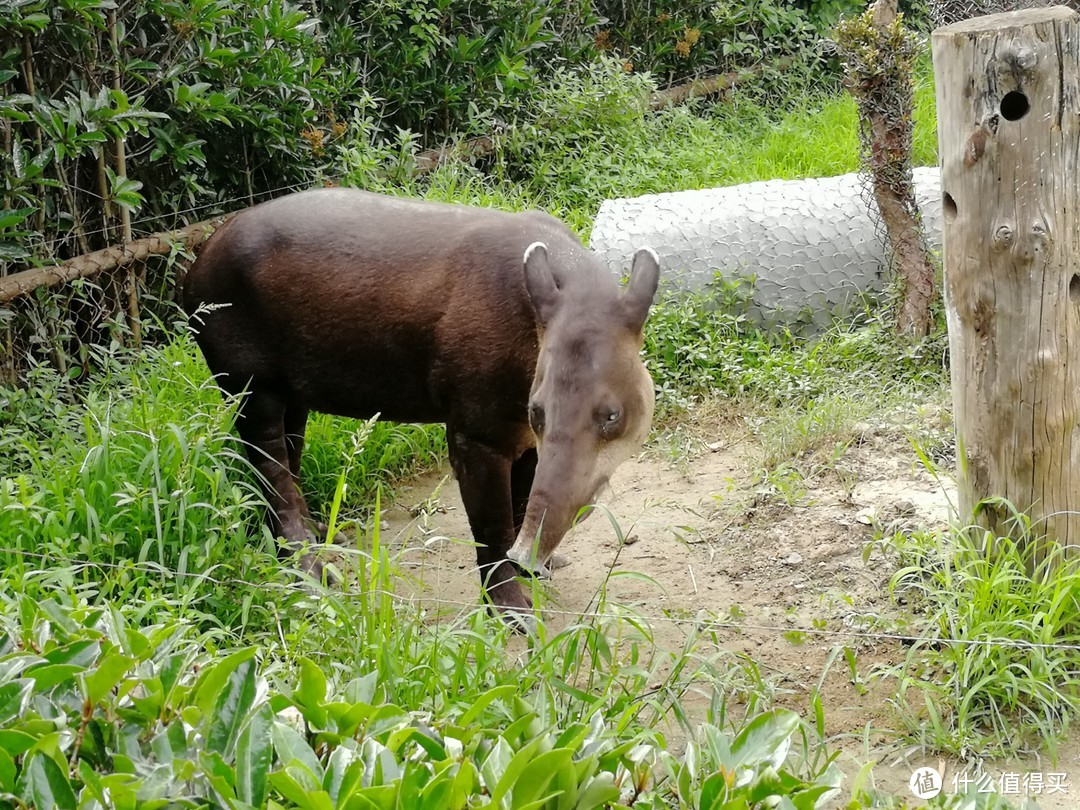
(525, 552)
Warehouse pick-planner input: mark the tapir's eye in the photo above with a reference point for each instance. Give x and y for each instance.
(536, 418)
(610, 422)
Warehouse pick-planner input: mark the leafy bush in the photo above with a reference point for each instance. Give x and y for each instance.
(677, 40)
(94, 708)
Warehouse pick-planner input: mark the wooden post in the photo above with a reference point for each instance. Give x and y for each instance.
(1008, 103)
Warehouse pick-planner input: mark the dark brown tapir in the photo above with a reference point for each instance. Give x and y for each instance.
(500, 325)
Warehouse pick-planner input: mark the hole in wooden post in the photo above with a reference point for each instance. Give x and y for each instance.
(1074, 288)
(1014, 106)
(948, 204)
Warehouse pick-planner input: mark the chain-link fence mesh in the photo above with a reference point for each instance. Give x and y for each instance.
(945, 12)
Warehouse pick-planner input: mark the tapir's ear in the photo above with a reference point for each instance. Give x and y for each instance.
(641, 288)
(540, 284)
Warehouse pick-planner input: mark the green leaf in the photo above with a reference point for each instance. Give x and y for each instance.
(482, 702)
(254, 753)
(362, 689)
(231, 708)
(92, 782)
(46, 677)
(466, 783)
(44, 786)
(220, 775)
(396, 741)
(13, 698)
(290, 745)
(495, 765)
(345, 718)
(538, 772)
(312, 688)
(15, 742)
(714, 790)
(9, 218)
(600, 792)
(343, 772)
(213, 679)
(170, 744)
(108, 673)
(79, 653)
(436, 794)
(289, 788)
(764, 740)
(7, 772)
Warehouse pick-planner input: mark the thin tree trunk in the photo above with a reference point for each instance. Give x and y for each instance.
(132, 284)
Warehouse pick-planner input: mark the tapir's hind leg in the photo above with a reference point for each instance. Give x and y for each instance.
(296, 416)
(295, 424)
(261, 425)
(483, 475)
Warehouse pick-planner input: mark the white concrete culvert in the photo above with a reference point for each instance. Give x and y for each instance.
(812, 247)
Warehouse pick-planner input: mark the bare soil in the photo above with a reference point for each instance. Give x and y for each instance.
(779, 571)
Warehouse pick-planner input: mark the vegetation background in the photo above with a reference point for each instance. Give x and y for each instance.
(153, 650)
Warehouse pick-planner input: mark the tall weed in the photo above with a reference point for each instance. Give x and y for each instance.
(996, 670)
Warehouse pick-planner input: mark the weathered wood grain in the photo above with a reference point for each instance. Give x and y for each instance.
(1008, 101)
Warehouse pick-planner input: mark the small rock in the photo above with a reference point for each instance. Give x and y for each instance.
(794, 558)
(630, 539)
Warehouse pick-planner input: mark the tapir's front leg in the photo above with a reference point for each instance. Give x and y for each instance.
(483, 475)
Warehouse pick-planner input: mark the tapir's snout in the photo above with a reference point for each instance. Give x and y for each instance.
(564, 491)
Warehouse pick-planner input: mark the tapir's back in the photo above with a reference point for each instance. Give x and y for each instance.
(353, 243)
(357, 303)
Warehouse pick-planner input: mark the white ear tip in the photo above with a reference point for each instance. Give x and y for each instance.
(533, 247)
(651, 252)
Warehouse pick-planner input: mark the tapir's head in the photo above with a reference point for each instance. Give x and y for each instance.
(592, 400)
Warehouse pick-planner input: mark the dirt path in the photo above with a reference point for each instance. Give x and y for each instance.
(769, 571)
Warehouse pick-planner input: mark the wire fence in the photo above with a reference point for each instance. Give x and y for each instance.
(946, 12)
(698, 623)
(64, 326)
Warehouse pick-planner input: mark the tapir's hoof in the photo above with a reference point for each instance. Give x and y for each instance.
(557, 560)
(528, 564)
(311, 565)
(323, 531)
(508, 599)
(513, 606)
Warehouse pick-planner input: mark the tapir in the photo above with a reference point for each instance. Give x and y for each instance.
(500, 325)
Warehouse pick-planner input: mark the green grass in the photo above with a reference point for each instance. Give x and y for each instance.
(616, 149)
(386, 454)
(399, 714)
(136, 486)
(996, 670)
